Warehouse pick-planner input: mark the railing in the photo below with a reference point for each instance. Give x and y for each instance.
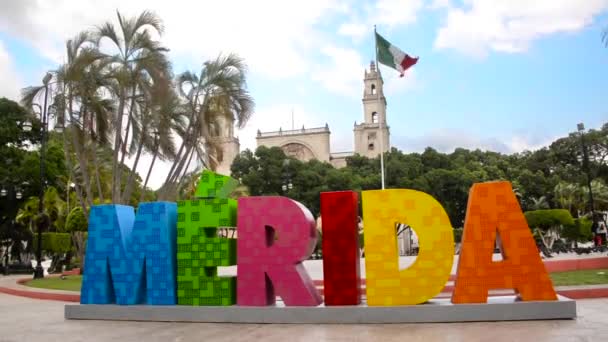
(342, 154)
(293, 132)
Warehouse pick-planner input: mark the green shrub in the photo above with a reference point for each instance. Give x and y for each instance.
(76, 221)
(579, 230)
(55, 243)
(548, 218)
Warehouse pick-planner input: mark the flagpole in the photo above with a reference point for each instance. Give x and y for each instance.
(380, 119)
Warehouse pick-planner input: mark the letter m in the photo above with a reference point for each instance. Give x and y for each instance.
(130, 259)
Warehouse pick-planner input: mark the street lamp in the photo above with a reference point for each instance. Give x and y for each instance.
(287, 185)
(26, 126)
(581, 130)
(44, 113)
(12, 194)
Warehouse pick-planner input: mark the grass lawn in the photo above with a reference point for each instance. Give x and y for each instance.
(584, 277)
(70, 283)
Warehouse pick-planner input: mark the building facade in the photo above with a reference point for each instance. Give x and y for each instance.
(370, 136)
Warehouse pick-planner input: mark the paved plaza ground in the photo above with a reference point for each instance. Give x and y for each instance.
(24, 319)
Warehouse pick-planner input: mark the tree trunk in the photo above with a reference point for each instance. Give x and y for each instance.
(143, 191)
(68, 162)
(79, 155)
(88, 128)
(547, 241)
(187, 166)
(178, 158)
(131, 181)
(117, 137)
(192, 120)
(178, 182)
(172, 184)
(97, 174)
(80, 243)
(125, 143)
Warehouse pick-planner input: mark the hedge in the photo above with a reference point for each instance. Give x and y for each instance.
(54, 242)
(549, 218)
(580, 231)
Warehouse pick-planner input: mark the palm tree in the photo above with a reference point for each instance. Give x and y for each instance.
(54, 208)
(568, 196)
(539, 203)
(217, 94)
(139, 59)
(600, 194)
(73, 101)
(158, 112)
(72, 97)
(170, 121)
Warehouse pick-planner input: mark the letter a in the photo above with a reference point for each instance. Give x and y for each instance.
(493, 206)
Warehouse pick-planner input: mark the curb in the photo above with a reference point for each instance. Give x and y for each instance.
(551, 266)
(41, 295)
(62, 297)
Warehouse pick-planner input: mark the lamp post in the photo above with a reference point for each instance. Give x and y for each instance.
(287, 185)
(45, 113)
(13, 195)
(581, 130)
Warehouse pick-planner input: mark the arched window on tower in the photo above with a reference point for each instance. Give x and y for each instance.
(374, 117)
(373, 89)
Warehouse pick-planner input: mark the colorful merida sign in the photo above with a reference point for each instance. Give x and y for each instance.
(168, 253)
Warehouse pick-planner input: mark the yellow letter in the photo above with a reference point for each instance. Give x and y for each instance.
(386, 284)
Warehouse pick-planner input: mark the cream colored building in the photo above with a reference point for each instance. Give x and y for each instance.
(313, 143)
(230, 146)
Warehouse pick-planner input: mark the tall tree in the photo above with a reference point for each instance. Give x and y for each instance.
(217, 93)
(139, 61)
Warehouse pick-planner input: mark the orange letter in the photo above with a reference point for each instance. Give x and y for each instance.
(493, 206)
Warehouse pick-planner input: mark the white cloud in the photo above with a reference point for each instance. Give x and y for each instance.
(447, 140)
(344, 75)
(395, 85)
(386, 14)
(396, 12)
(438, 4)
(10, 82)
(357, 31)
(345, 72)
(512, 25)
(274, 36)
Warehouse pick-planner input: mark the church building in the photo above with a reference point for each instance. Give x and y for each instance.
(314, 143)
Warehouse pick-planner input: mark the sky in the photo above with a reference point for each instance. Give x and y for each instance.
(501, 75)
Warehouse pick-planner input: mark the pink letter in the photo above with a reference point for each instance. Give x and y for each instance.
(275, 234)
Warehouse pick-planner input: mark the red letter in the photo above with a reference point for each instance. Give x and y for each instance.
(341, 279)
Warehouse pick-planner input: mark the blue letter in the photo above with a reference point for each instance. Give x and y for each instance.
(130, 259)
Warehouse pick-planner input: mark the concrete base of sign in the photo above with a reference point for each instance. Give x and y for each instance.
(503, 308)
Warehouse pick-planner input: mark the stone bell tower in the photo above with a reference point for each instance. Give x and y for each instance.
(374, 127)
(229, 143)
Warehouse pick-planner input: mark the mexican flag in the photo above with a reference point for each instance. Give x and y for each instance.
(390, 55)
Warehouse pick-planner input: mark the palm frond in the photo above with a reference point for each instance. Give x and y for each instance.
(149, 18)
(107, 30)
(29, 95)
